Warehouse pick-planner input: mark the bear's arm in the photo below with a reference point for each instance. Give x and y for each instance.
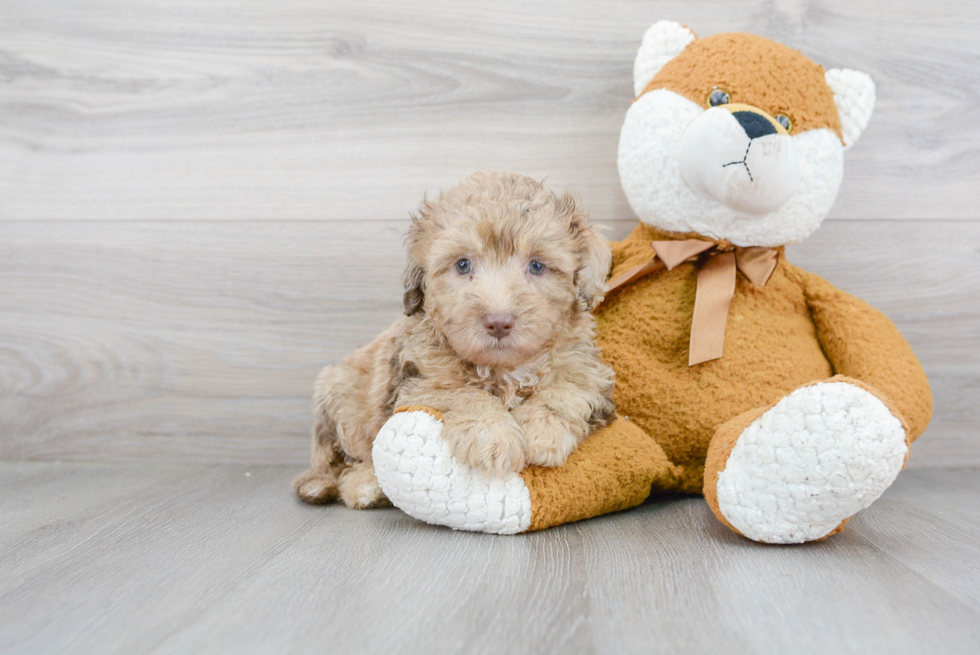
(864, 344)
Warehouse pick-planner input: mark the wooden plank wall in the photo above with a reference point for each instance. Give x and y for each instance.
(202, 203)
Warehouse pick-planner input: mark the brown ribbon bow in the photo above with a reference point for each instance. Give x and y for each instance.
(717, 263)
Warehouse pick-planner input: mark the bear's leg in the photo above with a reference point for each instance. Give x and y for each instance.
(798, 470)
(612, 470)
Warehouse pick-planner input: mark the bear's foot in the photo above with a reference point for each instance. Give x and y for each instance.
(798, 470)
(612, 470)
(418, 473)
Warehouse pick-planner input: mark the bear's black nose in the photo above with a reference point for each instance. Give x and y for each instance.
(753, 124)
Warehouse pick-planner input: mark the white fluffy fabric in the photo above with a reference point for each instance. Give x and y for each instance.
(854, 95)
(819, 456)
(649, 168)
(420, 476)
(662, 42)
(718, 160)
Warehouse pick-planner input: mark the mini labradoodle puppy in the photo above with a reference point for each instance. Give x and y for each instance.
(497, 335)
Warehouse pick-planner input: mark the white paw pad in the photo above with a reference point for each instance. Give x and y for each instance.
(819, 456)
(420, 476)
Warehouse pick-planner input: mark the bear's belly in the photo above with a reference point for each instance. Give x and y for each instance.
(771, 348)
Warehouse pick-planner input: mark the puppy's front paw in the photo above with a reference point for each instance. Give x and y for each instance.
(549, 438)
(493, 443)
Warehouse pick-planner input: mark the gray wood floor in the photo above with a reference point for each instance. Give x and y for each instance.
(174, 558)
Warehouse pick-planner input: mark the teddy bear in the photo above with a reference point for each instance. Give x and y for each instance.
(788, 403)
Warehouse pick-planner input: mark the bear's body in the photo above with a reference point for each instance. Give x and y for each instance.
(644, 329)
(772, 347)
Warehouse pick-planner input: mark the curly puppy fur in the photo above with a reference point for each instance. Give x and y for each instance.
(497, 335)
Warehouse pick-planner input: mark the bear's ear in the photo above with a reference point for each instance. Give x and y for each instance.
(854, 95)
(661, 43)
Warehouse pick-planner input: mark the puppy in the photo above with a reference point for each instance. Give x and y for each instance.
(497, 335)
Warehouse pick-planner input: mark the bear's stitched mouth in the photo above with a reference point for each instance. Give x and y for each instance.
(716, 141)
(743, 162)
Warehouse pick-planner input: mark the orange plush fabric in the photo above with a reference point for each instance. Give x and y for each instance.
(771, 348)
(864, 344)
(613, 470)
(754, 71)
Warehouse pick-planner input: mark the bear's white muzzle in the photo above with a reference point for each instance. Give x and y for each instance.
(721, 161)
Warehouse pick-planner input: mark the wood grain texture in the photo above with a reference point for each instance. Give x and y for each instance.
(172, 558)
(200, 341)
(304, 109)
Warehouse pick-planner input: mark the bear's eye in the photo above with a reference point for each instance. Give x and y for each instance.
(718, 97)
(536, 268)
(785, 121)
(463, 266)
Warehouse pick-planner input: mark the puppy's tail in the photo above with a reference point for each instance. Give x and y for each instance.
(316, 486)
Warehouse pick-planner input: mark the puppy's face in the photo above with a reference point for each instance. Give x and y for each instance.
(501, 266)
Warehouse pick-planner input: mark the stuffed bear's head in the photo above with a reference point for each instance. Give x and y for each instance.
(737, 137)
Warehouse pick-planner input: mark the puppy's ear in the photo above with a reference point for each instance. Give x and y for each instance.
(414, 276)
(595, 256)
(414, 296)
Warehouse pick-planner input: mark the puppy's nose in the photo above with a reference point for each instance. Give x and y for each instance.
(498, 325)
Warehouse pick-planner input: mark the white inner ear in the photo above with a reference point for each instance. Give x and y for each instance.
(854, 95)
(661, 43)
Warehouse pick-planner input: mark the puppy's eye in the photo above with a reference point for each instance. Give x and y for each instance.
(536, 268)
(463, 267)
(718, 97)
(785, 121)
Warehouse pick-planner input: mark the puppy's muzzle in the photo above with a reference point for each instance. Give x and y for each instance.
(498, 326)
(740, 156)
